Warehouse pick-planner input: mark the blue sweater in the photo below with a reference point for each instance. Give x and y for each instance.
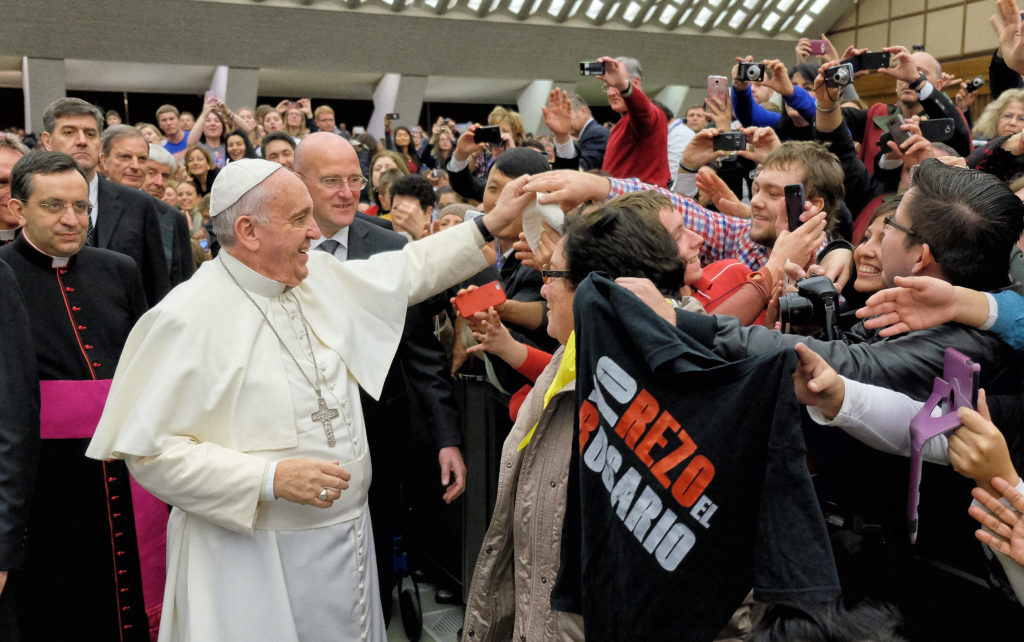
(752, 114)
(1009, 325)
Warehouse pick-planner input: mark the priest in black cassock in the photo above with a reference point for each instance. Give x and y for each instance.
(95, 566)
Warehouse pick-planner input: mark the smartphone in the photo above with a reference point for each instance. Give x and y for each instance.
(203, 243)
(898, 135)
(818, 47)
(869, 61)
(718, 88)
(392, 116)
(490, 134)
(729, 141)
(591, 68)
(975, 84)
(209, 95)
(479, 299)
(794, 204)
(937, 130)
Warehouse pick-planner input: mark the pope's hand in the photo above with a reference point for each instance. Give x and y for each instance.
(509, 206)
(302, 480)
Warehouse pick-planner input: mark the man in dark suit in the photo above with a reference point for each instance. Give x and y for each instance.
(330, 169)
(591, 136)
(174, 224)
(19, 440)
(11, 151)
(125, 161)
(122, 220)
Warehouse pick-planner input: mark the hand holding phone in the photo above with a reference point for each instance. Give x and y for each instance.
(718, 88)
(491, 134)
(479, 299)
(795, 199)
(729, 141)
(818, 47)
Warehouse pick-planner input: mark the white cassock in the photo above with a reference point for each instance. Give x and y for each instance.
(204, 398)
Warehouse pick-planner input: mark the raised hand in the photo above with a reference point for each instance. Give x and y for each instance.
(1005, 525)
(817, 384)
(709, 182)
(918, 302)
(558, 114)
(978, 450)
(1009, 29)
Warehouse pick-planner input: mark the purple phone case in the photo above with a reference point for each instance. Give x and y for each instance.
(956, 388)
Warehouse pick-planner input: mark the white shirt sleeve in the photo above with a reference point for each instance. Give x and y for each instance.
(686, 184)
(455, 165)
(268, 488)
(880, 418)
(563, 150)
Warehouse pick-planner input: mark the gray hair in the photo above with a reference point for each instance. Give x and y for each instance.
(115, 133)
(633, 67)
(253, 203)
(63, 107)
(577, 101)
(39, 162)
(13, 143)
(158, 154)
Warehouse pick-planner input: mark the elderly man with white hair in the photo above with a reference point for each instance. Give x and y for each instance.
(125, 160)
(237, 402)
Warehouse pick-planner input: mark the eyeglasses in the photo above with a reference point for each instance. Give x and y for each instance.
(81, 208)
(355, 183)
(547, 275)
(891, 220)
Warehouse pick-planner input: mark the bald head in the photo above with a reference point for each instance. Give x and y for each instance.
(928, 64)
(326, 157)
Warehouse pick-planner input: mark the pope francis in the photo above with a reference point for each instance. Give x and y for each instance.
(236, 401)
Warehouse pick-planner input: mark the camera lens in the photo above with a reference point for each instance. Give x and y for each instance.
(795, 310)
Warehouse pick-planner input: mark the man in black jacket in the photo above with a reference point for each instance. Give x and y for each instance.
(125, 161)
(19, 440)
(418, 379)
(122, 219)
(957, 225)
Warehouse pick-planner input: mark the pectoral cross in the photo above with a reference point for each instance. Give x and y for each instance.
(324, 415)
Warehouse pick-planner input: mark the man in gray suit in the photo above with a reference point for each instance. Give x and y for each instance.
(125, 161)
(329, 167)
(591, 136)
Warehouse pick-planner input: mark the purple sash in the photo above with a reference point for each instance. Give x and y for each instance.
(71, 410)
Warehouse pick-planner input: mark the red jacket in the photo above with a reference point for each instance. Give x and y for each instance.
(638, 144)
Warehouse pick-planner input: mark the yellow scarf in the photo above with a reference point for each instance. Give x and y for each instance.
(566, 373)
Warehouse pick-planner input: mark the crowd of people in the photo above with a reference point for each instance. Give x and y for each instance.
(720, 343)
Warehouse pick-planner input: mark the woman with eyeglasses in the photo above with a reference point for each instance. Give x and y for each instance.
(520, 555)
(1002, 123)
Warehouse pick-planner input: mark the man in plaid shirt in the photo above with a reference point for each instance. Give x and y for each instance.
(726, 237)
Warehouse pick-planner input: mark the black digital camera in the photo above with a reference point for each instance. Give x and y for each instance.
(750, 72)
(974, 84)
(815, 304)
(839, 76)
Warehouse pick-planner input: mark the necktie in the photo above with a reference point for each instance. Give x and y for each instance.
(329, 246)
(90, 236)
